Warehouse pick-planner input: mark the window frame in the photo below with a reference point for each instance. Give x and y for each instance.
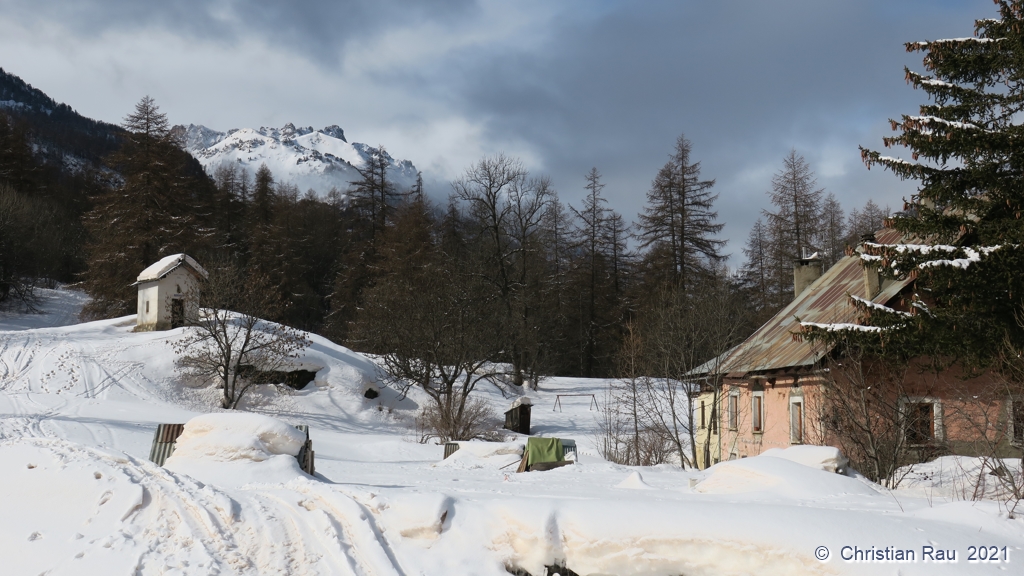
(734, 409)
(937, 433)
(793, 402)
(757, 412)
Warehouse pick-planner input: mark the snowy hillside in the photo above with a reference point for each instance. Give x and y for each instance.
(79, 405)
(308, 158)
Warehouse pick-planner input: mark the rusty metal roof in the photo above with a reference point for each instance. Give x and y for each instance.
(774, 347)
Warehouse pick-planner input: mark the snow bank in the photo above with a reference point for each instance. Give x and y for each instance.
(234, 449)
(417, 516)
(780, 476)
(825, 458)
(472, 455)
(634, 482)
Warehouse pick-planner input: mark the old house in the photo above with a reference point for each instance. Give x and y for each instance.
(168, 292)
(772, 394)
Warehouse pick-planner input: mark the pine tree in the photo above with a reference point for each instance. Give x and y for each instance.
(966, 155)
(679, 223)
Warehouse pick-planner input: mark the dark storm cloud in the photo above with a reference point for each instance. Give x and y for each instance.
(745, 81)
(318, 29)
(610, 84)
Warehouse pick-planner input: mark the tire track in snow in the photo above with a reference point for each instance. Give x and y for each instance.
(298, 528)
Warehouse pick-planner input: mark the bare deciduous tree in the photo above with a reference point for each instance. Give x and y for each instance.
(227, 341)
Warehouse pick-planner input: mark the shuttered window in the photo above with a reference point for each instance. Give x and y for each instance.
(757, 413)
(734, 411)
(796, 422)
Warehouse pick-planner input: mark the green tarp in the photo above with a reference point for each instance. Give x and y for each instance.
(543, 450)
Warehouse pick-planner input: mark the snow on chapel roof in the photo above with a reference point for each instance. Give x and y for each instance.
(166, 265)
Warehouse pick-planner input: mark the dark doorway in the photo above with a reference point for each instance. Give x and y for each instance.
(177, 313)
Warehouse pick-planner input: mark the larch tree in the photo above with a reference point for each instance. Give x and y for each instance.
(374, 194)
(596, 246)
(797, 216)
(832, 234)
(756, 274)
(679, 224)
(160, 207)
(865, 222)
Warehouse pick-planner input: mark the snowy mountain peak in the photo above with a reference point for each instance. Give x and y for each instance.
(308, 158)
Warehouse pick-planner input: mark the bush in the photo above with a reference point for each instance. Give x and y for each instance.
(477, 421)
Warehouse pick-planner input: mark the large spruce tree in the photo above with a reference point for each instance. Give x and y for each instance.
(965, 235)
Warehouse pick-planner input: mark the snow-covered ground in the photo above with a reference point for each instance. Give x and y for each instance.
(79, 405)
(55, 307)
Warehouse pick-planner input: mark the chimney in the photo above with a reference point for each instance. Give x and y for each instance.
(805, 272)
(872, 280)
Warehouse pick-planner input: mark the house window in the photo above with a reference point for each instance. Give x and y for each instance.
(702, 422)
(920, 422)
(734, 410)
(796, 420)
(1017, 419)
(147, 306)
(757, 413)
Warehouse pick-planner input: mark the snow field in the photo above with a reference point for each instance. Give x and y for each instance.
(79, 405)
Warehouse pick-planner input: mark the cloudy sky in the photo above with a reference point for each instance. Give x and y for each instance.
(565, 85)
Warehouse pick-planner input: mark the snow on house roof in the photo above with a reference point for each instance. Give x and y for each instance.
(166, 265)
(775, 345)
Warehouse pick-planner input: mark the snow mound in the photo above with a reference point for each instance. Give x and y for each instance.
(235, 449)
(417, 516)
(634, 482)
(781, 477)
(235, 436)
(825, 458)
(473, 455)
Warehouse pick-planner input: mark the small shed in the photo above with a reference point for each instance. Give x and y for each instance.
(168, 291)
(517, 418)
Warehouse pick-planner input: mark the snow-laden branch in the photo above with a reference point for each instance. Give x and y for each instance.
(936, 120)
(876, 306)
(935, 82)
(927, 43)
(841, 327)
(972, 257)
(894, 160)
